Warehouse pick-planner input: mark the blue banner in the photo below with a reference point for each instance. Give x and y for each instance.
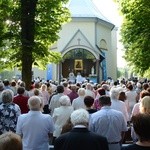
(49, 72)
(104, 69)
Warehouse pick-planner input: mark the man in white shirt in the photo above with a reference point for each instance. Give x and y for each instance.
(109, 123)
(89, 90)
(35, 127)
(79, 101)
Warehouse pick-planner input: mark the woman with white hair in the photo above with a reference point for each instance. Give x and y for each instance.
(61, 114)
(9, 112)
(80, 138)
(117, 104)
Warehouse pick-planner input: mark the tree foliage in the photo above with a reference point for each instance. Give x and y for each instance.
(135, 32)
(27, 29)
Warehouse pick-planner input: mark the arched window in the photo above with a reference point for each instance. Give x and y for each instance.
(79, 53)
(103, 45)
(78, 60)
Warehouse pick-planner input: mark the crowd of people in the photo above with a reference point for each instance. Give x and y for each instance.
(72, 116)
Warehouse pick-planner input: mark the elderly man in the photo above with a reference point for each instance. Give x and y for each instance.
(109, 123)
(35, 127)
(89, 90)
(80, 138)
(79, 101)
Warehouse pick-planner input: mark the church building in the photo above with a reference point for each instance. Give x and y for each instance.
(88, 44)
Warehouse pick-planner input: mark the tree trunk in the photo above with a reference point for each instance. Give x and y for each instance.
(28, 8)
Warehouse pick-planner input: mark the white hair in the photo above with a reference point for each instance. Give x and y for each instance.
(81, 92)
(139, 85)
(7, 96)
(114, 93)
(65, 101)
(88, 86)
(79, 117)
(34, 103)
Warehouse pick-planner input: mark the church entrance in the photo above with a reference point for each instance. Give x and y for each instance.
(79, 61)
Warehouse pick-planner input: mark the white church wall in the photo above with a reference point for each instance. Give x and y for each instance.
(113, 53)
(111, 61)
(70, 29)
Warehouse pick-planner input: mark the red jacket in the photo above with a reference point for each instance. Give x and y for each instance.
(22, 101)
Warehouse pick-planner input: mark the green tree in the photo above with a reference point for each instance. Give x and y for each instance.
(28, 28)
(135, 32)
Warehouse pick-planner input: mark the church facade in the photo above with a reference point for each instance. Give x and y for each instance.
(88, 44)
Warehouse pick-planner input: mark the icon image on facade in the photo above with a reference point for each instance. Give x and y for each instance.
(78, 64)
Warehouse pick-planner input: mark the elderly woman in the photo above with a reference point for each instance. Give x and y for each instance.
(117, 104)
(9, 112)
(62, 114)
